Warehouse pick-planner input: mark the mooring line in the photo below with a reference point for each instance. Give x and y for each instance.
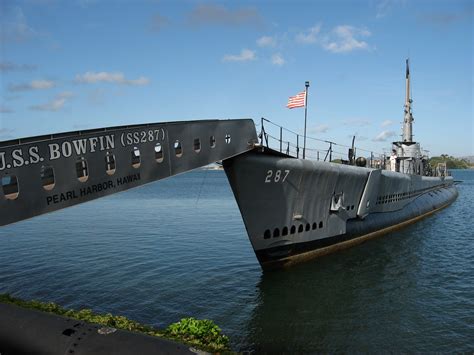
(200, 187)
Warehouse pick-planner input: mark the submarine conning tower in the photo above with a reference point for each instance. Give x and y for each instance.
(409, 157)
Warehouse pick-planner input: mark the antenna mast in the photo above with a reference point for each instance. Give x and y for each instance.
(407, 122)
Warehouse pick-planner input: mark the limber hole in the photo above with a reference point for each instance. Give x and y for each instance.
(267, 234)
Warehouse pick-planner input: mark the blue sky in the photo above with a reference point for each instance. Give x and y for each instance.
(69, 65)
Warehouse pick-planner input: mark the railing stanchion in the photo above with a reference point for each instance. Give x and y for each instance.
(297, 146)
(281, 138)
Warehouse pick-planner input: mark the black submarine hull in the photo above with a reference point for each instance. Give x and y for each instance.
(295, 210)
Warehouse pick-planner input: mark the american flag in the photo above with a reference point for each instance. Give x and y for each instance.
(296, 101)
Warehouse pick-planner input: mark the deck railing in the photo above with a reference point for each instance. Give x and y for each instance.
(288, 142)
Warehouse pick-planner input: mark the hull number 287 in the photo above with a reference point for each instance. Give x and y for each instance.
(276, 175)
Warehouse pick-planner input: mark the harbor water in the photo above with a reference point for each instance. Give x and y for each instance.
(178, 248)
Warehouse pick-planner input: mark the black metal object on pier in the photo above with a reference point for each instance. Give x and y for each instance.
(28, 331)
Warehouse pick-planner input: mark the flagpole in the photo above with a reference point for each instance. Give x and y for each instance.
(306, 84)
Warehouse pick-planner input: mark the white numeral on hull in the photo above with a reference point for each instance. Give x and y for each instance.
(276, 176)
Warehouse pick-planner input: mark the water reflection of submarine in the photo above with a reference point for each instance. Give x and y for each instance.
(313, 307)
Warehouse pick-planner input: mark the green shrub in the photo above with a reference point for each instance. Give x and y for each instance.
(451, 162)
(199, 332)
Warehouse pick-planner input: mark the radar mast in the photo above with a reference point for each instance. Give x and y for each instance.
(409, 159)
(408, 119)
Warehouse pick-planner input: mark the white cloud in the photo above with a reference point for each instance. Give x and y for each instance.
(385, 7)
(54, 105)
(445, 19)
(140, 81)
(4, 109)
(213, 14)
(15, 27)
(42, 84)
(342, 39)
(384, 135)
(277, 59)
(266, 41)
(33, 85)
(387, 123)
(10, 67)
(116, 78)
(356, 122)
(322, 128)
(245, 55)
(359, 138)
(158, 22)
(310, 35)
